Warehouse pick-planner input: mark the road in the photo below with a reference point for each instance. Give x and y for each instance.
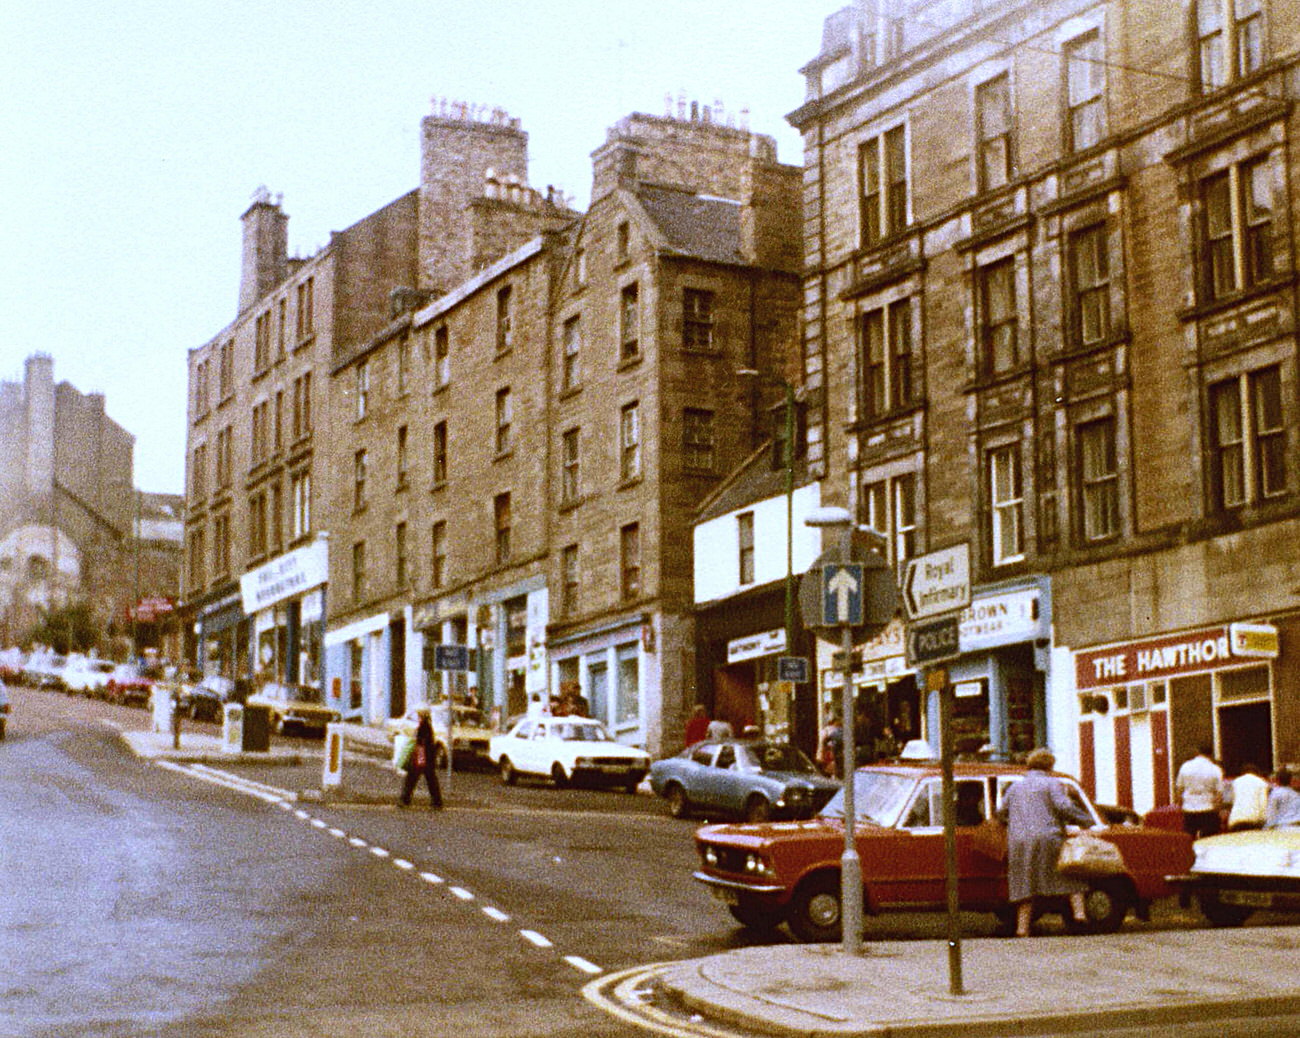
(154, 902)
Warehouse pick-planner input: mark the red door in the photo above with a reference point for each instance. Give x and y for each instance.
(1123, 761)
(1160, 756)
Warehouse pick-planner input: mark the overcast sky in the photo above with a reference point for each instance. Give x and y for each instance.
(135, 132)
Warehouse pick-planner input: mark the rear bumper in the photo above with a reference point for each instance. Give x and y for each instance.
(1269, 892)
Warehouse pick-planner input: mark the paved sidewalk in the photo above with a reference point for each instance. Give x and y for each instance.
(1040, 986)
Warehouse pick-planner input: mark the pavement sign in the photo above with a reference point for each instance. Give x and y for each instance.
(792, 668)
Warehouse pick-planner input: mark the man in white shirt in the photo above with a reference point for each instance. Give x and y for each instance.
(1199, 792)
(1249, 799)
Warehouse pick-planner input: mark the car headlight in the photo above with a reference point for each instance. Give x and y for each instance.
(709, 854)
(757, 865)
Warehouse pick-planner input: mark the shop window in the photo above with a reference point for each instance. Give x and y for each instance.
(629, 685)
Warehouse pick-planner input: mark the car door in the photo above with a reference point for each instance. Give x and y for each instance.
(697, 775)
(727, 778)
(905, 866)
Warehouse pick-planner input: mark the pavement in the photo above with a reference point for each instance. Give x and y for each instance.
(1154, 981)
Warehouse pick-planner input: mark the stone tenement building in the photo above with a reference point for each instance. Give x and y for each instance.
(67, 509)
(505, 454)
(1050, 310)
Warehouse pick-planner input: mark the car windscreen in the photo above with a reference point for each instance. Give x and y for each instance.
(878, 796)
(581, 733)
(781, 758)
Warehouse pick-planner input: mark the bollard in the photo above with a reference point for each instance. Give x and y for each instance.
(332, 775)
(232, 728)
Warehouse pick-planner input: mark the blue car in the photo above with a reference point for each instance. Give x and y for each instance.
(748, 778)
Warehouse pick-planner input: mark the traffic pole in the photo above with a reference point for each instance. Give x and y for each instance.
(937, 679)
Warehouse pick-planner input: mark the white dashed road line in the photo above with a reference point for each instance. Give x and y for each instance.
(535, 939)
(495, 913)
(579, 963)
(462, 893)
(429, 877)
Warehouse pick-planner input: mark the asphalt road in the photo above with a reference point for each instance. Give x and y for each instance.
(153, 901)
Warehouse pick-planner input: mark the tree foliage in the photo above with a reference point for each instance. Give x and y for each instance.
(67, 629)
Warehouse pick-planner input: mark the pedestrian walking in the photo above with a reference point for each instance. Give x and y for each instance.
(423, 761)
(1283, 802)
(1036, 811)
(697, 725)
(1198, 790)
(1249, 800)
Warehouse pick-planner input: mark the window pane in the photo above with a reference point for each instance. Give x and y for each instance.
(1257, 206)
(1270, 436)
(1228, 461)
(872, 331)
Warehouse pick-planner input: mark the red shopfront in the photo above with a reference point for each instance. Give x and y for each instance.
(1145, 706)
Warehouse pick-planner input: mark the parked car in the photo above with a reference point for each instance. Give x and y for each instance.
(789, 872)
(294, 707)
(12, 661)
(567, 750)
(1235, 874)
(470, 737)
(753, 779)
(206, 700)
(131, 684)
(87, 675)
(4, 708)
(43, 670)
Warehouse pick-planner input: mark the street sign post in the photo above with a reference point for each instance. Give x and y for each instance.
(937, 582)
(792, 668)
(933, 641)
(451, 657)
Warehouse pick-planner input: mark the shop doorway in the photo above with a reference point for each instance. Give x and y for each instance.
(734, 696)
(397, 668)
(1246, 737)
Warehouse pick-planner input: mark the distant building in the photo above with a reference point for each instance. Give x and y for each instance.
(68, 508)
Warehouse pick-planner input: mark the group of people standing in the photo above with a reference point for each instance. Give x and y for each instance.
(1211, 803)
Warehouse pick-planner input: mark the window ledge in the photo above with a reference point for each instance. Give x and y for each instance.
(571, 391)
(440, 484)
(980, 382)
(1235, 299)
(629, 482)
(441, 387)
(630, 361)
(504, 455)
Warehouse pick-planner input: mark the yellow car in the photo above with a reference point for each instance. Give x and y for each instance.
(296, 707)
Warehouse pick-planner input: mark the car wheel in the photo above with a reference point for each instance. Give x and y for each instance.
(762, 918)
(558, 776)
(1220, 914)
(1106, 903)
(758, 809)
(815, 913)
(679, 806)
(508, 774)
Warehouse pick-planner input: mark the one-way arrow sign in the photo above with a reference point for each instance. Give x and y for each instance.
(842, 594)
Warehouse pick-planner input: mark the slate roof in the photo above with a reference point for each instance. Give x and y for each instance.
(755, 480)
(694, 225)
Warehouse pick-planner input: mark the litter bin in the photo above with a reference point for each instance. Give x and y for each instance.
(256, 736)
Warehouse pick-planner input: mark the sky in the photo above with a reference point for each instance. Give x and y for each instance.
(135, 133)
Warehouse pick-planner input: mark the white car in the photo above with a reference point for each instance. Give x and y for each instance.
(87, 676)
(566, 750)
(1236, 873)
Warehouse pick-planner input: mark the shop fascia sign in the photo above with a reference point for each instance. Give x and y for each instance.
(752, 646)
(286, 577)
(1002, 619)
(1174, 655)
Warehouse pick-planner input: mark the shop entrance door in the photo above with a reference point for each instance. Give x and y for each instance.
(1246, 737)
(734, 695)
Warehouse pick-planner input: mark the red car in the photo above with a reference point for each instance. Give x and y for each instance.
(789, 872)
(130, 684)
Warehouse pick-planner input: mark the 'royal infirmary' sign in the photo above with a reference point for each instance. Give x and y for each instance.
(286, 577)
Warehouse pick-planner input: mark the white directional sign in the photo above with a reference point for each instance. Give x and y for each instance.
(937, 582)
